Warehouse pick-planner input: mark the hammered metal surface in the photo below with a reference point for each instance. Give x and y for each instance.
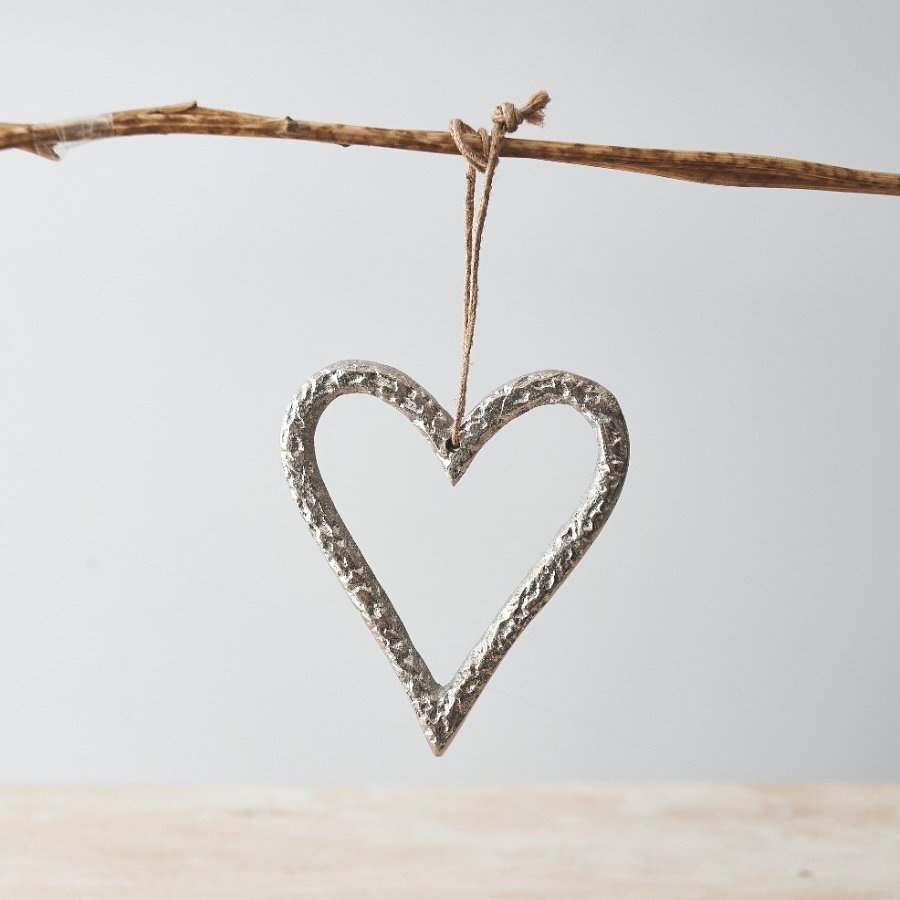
(441, 709)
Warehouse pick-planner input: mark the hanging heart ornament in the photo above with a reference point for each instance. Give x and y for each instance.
(441, 709)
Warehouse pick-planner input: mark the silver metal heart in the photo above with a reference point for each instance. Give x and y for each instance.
(441, 709)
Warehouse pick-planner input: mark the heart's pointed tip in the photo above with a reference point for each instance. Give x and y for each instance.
(439, 748)
(453, 473)
(455, 470)
(438, 745)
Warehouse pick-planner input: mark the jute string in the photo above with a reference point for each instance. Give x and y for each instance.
(506, 118)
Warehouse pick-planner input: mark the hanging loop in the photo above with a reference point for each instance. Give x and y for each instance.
(506, 118)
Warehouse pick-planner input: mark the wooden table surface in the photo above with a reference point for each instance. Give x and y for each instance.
(612, 841)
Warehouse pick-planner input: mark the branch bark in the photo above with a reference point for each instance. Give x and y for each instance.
(734, 169)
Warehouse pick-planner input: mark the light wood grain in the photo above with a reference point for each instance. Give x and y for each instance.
(707, 167)
(686, 841)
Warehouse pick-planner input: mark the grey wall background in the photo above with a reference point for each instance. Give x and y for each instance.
(165, 615)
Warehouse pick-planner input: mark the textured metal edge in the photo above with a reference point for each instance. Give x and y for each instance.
(441, 709)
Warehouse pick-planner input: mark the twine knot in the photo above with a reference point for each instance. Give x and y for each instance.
(509, 116)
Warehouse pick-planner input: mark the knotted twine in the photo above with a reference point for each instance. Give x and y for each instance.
(506, 118)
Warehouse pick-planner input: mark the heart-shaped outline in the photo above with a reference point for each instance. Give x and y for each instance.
(441, 709)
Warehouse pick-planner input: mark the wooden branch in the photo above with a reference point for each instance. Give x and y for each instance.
(736, 169)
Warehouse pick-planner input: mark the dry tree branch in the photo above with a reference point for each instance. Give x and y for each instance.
(735, 169)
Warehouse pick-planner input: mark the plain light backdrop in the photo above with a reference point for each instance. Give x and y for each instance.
(164, 615)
